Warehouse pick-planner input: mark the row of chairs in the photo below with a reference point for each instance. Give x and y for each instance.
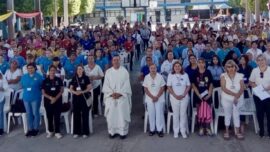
(247, 110)
(11, 96)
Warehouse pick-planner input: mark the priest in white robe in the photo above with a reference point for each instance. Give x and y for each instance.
(117, 99)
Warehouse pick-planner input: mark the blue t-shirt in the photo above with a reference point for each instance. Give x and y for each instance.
(70, 68)
(4, 66)
(44, 62)
(21, 61)
(31, 87)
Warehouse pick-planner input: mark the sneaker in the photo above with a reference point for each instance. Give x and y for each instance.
(160, 134)
(184, 135)
(1, 132)
(29, 133)
(175, 135)
(123, 137)
(151, 133)
(208, 132)
(35, 133)
(85, 136)
(75, 136)
(49, 135)
(112, 136)
(58, 135)
(201, 132)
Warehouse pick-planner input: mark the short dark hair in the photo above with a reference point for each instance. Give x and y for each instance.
(32, 64)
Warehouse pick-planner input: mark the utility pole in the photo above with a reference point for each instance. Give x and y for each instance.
(257, 10)
(11, 30)
(55, 14)
(38, 18)
(65, 3)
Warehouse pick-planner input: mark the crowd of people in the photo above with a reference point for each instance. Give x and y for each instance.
(176, 61)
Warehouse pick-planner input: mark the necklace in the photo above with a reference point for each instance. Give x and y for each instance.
(232, 80)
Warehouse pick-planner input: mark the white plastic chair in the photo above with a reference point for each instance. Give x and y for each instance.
(248, 109)
(90, 118)
(194, 113)
(219, 111)
(8, 94)
(100, 112)
(18, 94)
(67, 82)
(66, 115)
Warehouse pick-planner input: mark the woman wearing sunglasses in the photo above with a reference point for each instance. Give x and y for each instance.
(232, 99)
(261, 76)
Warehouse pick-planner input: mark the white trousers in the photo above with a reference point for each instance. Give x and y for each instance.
(156, 114)
(232, 110)
(179, 108)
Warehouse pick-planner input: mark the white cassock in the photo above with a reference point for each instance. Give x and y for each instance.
(117, 111)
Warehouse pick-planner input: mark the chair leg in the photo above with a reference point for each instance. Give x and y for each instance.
(256, 127)
(247, 119)
(5, 122)
(164, 127)
(216, 124)
(67, 123)
(212, 126)
(8, 123)
(168, 123)
(193, 123)
(145, 121)
(46, 123)
(24, 120)
(71, 124)
(99, 106)
(90, 122)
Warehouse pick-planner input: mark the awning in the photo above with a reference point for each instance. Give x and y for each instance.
(27, 15)
(222, 6)
(5, 16)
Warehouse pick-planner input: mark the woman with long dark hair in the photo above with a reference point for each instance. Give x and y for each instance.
(216, 70)
(80, 87)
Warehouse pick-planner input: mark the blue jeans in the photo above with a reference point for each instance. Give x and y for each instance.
(33, 114)
(2, 114)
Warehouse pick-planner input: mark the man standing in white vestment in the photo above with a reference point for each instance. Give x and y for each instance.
(117, 99)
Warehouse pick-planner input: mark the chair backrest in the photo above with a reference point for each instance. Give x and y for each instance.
(17, 95)
(192, 97)
(218, 92)
(8, 96)
(67, 82)
(249, 105)
(66, 96)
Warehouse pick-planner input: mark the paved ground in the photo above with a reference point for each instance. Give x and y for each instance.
(137, 141)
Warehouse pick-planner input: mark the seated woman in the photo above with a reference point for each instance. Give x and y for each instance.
(3, 87)
(155, 100)
(232, 98)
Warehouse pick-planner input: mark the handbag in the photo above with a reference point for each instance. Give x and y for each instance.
(89, 101)
(204, 113)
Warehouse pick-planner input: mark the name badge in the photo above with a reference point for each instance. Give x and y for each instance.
(78, 89)
(53, 89)
(29, 89)
(245, 79)
(153, 85)
(178, 84)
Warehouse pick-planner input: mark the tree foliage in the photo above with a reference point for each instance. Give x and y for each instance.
(47, 7)
(3, 6)
(235, 3)
(263, 7)
(24, 5)
(74, 7)
(87, 6)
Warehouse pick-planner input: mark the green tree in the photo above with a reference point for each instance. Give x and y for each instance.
(3, 7)
(24, 6)
(235, 3)
(47, 7)
(263, 7)
(74, 7)
(87, 6)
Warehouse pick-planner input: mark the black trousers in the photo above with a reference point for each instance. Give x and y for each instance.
(80, 116)
(138, 49)
(145, 43)
(262, 108)
(53, 112)
(95, 102)
(131, 60)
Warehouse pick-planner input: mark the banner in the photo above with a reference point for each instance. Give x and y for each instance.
(5, 16)
(27, 15)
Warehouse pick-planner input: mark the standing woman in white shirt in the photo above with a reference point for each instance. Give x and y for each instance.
(178, 86)
(13, 75)
(3, 87)
(155, 100)
(232, 97)
(166, 66)
(261, 76)
(95, 74)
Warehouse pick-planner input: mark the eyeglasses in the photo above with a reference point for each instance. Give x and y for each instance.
(261, 74)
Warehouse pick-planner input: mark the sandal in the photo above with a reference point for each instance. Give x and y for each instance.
(226, 136)
(239, 136)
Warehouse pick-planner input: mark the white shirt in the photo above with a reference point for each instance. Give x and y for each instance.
(233, 85)
(256, 77)
(4, 85)
(178, 82)
(96, 71)
(153, 85)
(166, 68)
(267, 55)
(124, 57)
(254, 53)
(11, 76)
